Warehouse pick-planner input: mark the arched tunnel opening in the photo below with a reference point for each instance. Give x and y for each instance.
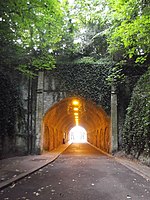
(72, 112)
(77, 135)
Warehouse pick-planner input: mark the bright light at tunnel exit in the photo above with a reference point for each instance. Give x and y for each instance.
(77, 135)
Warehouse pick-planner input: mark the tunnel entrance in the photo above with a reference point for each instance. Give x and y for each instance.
(77, 135)
(74, 112)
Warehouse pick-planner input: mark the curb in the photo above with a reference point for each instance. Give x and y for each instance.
(127, 164)
(134, 169)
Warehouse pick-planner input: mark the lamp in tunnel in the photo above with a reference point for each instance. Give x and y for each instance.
(77, 122)
(75, 109)
(76, 118)
(75, 102)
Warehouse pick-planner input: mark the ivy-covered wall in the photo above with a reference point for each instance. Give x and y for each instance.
(86, 80)
(12, 116)
(124, 91)
(136, 132)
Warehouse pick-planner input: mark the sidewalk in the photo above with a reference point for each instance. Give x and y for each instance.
(15, 168)
(133, 165)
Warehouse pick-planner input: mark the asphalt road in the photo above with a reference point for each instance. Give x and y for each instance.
(80, 173)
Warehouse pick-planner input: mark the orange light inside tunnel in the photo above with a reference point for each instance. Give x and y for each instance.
(63, 115)
(75, 102)
(77, 122)
(76, 109)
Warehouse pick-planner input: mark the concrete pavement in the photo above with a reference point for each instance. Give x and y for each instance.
(13, 169)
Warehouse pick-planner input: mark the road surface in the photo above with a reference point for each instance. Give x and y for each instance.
(80, 173)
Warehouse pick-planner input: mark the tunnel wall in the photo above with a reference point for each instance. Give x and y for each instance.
(100, 136)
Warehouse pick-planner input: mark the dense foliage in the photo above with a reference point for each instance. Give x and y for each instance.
(87, 79)
(34, 33)
(130, 28)
(28, 34)
(10, 106)
(136, 134)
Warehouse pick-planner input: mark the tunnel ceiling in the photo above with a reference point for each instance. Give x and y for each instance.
(61, 116)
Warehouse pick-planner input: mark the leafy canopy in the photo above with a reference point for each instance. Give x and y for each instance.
(129, 28)
(35, 32)
(33, 28)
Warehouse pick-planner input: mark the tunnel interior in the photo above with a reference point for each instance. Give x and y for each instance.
(71, 112)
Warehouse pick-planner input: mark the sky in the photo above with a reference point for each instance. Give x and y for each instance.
(71, 1)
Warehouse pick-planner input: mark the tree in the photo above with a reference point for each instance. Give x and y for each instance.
(129, 33)
(87, 27)
(90, 17)
(33, 28)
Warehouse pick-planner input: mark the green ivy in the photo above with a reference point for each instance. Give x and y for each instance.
(136, 133)
(10, 106)
(87, 80)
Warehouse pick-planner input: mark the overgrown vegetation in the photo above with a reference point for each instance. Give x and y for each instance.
(28, 34)
(136, 134)
(87, 80)
(11, 111)
(8, 108)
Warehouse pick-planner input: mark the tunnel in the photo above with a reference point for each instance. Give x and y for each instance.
(71, 112)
